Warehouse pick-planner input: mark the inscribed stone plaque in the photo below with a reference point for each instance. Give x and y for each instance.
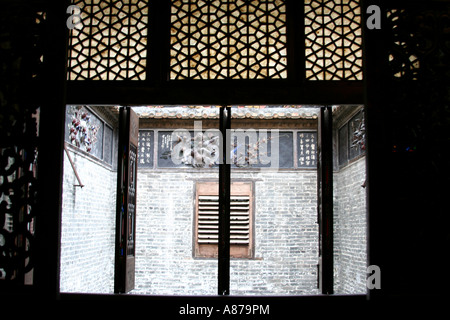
(145, 149)
(165, 147)
(307, 149)
(257, 150)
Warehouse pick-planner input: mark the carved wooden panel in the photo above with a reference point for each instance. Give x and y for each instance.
(418, 53)
(357, 135)
(22, 40)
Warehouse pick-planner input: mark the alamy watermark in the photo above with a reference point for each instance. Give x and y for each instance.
(243, 148)
(373, 280)
(374, 20)
(74, 20)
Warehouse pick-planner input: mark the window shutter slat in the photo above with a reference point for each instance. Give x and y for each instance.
(208, 219)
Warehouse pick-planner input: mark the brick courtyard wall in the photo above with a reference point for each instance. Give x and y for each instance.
(285, 232)
(285, 235)
(350, 254)
(88, 226)
(284, 226)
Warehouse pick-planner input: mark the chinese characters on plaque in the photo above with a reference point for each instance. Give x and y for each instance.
(146, 148)
(307, 149)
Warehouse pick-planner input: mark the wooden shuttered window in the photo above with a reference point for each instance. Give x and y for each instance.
(207, 220)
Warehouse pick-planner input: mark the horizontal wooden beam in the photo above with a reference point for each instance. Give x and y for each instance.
(215, 92)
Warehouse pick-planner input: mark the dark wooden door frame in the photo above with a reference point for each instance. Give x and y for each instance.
(124, 274)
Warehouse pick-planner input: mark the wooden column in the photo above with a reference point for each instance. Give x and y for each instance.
(224, 205)
(325, 200)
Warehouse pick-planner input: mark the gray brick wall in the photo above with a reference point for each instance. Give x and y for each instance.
(88, 226)
(350, 254)
(285, 232)
(285, 237)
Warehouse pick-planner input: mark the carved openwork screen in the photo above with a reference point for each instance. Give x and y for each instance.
(228, 40)
(406, 48)
(216, 39)
(23, 48)
(333, 40)
(111, 41)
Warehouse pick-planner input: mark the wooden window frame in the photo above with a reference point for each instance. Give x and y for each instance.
(237, 251)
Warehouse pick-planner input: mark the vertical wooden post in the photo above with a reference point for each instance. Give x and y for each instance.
(325, 200)
(49, 93)
(224, 205)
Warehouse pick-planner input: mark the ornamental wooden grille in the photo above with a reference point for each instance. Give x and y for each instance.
(111, 43)
(228, 40)
(217, 39)
(333, 40)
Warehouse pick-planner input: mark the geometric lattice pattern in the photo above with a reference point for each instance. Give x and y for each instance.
(112, 41)
(228, 39)
(333, 40)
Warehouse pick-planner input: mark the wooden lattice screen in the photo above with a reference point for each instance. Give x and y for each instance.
(333, 40)
(228, 40)
(111, 42)
(217, 39)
